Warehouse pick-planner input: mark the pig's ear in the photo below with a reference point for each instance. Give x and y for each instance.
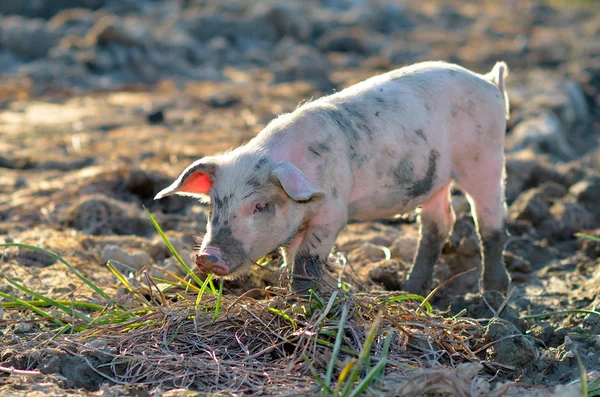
(295, 184)
(195, 181)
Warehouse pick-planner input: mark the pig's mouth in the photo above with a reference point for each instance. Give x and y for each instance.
(210, 263)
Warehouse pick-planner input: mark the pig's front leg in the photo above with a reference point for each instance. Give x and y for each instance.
(436, 222)
(313, 250)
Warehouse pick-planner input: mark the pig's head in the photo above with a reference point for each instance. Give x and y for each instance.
(256, 206)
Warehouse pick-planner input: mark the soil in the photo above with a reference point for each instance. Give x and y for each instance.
(81, 159)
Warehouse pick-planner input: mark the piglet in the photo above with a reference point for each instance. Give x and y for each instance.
(381, 147)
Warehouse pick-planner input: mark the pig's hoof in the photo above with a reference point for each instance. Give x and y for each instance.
(414, 286)
(500, 282)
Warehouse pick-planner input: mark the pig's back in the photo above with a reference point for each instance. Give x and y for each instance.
(411, 124)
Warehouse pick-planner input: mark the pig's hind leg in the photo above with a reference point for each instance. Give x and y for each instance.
(436, 220)
(484, 185)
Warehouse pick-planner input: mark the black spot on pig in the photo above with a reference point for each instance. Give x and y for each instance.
(425, 184)
(231, 247)
(421, 134)
(260, 163)
(376, 113)
(314, 151)
(316, 237)
(358, 118)
(403, 175)
(324, 146)
(254, 183)
(334, 192)
(217, 202)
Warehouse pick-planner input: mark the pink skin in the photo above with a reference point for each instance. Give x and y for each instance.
(382, 147)
(210, 260)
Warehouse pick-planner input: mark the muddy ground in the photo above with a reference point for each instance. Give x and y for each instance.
(103, 105)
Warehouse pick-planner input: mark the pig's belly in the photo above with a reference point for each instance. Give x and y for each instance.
(384, 204)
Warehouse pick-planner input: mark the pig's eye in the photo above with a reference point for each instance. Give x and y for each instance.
(262, 207)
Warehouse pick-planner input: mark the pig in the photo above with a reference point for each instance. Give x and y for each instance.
(382, 147)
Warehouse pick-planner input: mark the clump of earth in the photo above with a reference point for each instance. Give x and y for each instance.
(104, 102)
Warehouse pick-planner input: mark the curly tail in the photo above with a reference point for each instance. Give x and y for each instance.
(498, 74)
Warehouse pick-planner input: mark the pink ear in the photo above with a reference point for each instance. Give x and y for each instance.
(197, 183)
(295, 184)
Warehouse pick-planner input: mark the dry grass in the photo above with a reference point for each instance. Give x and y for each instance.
(252, 349)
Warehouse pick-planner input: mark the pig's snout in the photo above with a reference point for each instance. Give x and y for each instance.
(211, 260)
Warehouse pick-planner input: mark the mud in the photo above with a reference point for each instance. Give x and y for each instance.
(91, 130)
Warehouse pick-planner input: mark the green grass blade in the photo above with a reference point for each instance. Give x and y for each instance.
(41, 303)
(285, 316)
(594, 389)
(371, 376)
(411, 297)
(364, 353)
(121, 277)
(588, 237)
(203, 286)
(582, 377)
(218, 305)
(316, 376)
(558, 313)
(337, 345)
(386, 348)
(50, 301)
(459, 314)
(35, 309)
(174, 252)
(59, 258)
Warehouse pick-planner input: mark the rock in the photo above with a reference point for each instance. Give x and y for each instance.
(468, 246)
(140, 183)
(345, 40)
(591, 248)
(99, 214)
(31, 258)
(573, 217)
(477, 307)
(552, 190)
(587, 191)
(223, 99)
(392, 17)
(45, 9)
(111, 29)
(306, 64)
(404, 248)
(516, 264)
(542, 331)
(285, 19)
(136, 259)
(172, 266)
(386, 273)
(367, 253)
(510, 346)
(156, 117)
(531, 206)
(543, 133)
(28, 38)
(203, 25)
